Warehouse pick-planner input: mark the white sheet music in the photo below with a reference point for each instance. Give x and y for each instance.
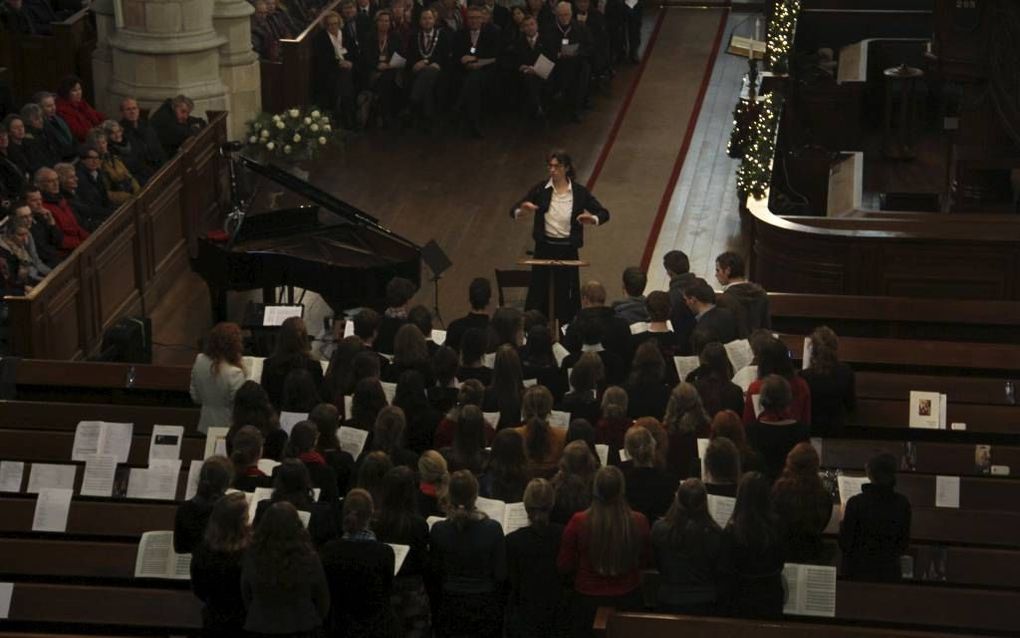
(390, 390)
(6, 594)
(397, 61)
(438, 337)
(101, 437)
(51, 476)
(165, 442)
(158, 481)
(276, 315)
(253, 368)
(720, 508)
(624, 457)
(492, 508)
(304, 517)
(266, 466)
(603, 451)
(559, 419)
(215, 442)
(289, 419)
(352, 440)
(99, 472)
(811, 590)
(156, 557)
(739, 352)
(702, 448)
(400, 553)
(194, 472)
(324, 364)
(850, 486)
(348, 404)
(805, 359)
(514, 517)
(11, 475)
(51, 510)
(543, 67)
(528, 383)
(492, 418)
(685, 366)
(489, 360)
(947, 491)
(756, 404)
(260, 494)
(560, 353)
(432, 520)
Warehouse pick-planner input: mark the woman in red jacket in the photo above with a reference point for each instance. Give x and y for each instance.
(72, 107)
(605, 548)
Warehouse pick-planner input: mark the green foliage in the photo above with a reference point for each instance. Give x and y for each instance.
(779, 43)
(295, 134)
(755, 171)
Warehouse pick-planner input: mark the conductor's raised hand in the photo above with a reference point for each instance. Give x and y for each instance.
(588, 219)
(527, 207)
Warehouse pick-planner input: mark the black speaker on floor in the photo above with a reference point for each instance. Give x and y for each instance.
(127, 341)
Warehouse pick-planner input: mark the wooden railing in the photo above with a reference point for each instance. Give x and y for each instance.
(39, 62)
(129, 263)
(288, 82)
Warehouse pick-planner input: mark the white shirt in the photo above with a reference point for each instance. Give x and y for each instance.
(561, 209)
(338, 44)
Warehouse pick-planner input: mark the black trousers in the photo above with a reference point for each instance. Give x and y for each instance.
(567, 281)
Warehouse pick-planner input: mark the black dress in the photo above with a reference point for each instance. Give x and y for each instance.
(360, 577)
(535, 604)
(874, 533)
(216, 581)
(833, 395)
(752, 578)
(189, 523)
(773, 442)
(276, 369)
(649, 490)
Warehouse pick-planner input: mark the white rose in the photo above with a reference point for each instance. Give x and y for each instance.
(315, 128)
(295, 112)
(297, 138)
(279, 125)
(322, 141)
(253, 139)
(315, 113)
(327, 128)
(308, 120)
(286, 149)
(276, 118)
(270, 146)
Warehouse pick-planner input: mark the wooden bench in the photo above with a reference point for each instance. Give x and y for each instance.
(37, 415)
(40, 62)
(56, 447)
(911, 353)
(124, 383)
(287, 83)
(121, 518)
(928, 457)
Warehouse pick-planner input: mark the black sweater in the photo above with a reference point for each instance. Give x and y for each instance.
(360, 577)
(216, 581)
(874, 533)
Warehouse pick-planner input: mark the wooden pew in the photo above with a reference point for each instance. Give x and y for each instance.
(288, 83)
(67, 558)
(896, 385)
(988, 528)
(84, 381)
(904, 353)
(41, 605)
(40, 62)
(56, 447)
(122, 518)
(928, 457)
(65, 416)
(894, 413)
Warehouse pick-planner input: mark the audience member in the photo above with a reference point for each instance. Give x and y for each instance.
(120, 183)
(20, 233)
(359, 569)
(688, 550)
(283, 585)
(75, 110)
(753, 554)
(803, 506)
(469, 558)
(88, 188)
(875, 530)
(48, 182)
(139, 133)
(216, 376)
(173, 123)
(649, 488)
(333, 59)
(14, 245)
(748, 301)
(46, 234)
(832, 384)
(50, 148)
(13, 178)
(132, 156)
(216, 565)
(23, 149)
(55, 128)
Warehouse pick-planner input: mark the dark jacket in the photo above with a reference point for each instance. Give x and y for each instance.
(360, 577)
(615, 332)
(471, 560)
(752, 578)
(326, 65)
(275, 371)
(536, 587)
(874, 533)
(276, 609)
(541, 196)
(647, 399)
(172, 133)
(688, 565)
(773, 442)
(749, 303)
(48, 240)
(58, 133)
(715, 324)
(145, 145)
(649, 490)
(576, 33)
(487, 46)
(631, 309)
(90, 200)
(615, 366)
(440, 52)
(455, 331)
(216, 581)
(803, 515)
(189, 524)
(833, 395)
(719, 394)
(680, 315)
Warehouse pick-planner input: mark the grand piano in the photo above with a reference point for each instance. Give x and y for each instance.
(295, 235)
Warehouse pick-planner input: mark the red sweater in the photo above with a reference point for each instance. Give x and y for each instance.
(800, 407)
(81, 117)
(67, 222)
(575, 558)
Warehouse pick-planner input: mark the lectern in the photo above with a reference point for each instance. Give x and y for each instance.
(553, 264)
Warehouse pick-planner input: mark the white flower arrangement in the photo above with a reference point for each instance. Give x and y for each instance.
(294, 134)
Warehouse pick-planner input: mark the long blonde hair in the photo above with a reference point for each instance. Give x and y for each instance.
(614, 546)
(684, 412)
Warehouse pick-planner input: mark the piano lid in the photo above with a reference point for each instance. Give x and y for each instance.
(300, 202)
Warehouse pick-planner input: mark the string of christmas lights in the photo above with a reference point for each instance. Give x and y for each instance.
(755, 171)
(780, 37)
(743, 116)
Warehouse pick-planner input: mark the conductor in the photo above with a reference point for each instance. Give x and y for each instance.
(560, 209)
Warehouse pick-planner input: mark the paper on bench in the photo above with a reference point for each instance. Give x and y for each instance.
(253, 368)
(51, 476)
(6, 593)
(289, 419)
(927, 410)
(400, 553)
(352, 440)
(947, 491)
(11, 475)
(215, 442)
(158, 481)
(739, 352)
(194, 472)
(811, 590)
(720, 508)
(685, 366)
(165, 442)
(156, 558)
(51, 510)
(100, 470)
(101, 437)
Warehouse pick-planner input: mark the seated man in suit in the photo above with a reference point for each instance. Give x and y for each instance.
(46, 234)
(140, 134)
(90, 198)
(264, 39)
(428, 60)
(333, 56)
(525, 52)
(475, 50)
(569, 42)
(713, 323)
(748, 301)
(47, 180)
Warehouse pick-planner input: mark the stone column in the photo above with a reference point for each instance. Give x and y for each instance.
(165, 48)
(102, 60)
(239, 65)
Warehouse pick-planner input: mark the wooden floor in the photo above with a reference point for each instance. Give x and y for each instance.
(459, 191)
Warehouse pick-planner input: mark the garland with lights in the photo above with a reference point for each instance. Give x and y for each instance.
(743, 117)
(755, 171)
(780, 37)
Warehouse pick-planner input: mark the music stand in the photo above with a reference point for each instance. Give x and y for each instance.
(438, 263)
(551, 264)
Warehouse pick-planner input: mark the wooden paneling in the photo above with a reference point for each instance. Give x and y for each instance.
(288, 82)
(38, 62)
(136, 255)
